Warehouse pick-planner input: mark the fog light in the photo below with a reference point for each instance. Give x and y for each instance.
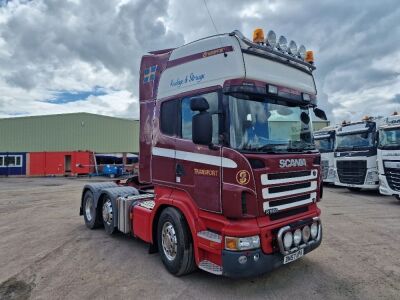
(242, 259)
(256, 257)
(314, 230)
(288, 240)
(306, 233)
(297, 237)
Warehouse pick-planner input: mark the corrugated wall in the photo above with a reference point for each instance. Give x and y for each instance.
(69, 132)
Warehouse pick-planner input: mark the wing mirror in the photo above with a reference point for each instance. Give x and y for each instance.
(320, 113)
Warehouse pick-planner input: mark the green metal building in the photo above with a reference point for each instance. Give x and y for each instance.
(69, 132)
(65, 144)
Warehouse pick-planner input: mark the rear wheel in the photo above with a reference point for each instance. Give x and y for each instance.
(354, 189)
(108, 215)
(175, 242)
(92, 220)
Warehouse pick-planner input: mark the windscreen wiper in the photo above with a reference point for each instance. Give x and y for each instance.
(269, 148)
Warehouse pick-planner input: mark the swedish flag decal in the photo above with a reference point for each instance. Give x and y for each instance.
(150, 74)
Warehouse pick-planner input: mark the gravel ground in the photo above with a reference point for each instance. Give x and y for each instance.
(46, 252)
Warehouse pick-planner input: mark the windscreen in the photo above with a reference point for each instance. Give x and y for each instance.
(353, 141)
(264, 125)
(389, 138)
(324, 144)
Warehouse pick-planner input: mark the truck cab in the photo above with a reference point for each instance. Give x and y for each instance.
(389, 156)
(325, 142)
(356, 154)
(226, 142)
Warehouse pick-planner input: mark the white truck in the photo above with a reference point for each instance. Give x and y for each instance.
(325, 142)
(389, 156)
(356, 155)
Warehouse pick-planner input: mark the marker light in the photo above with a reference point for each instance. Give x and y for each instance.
(310, 57)
(282, 43)
(302, 52)
(272, 89)
(258, 36)
(292, 48)
(271, 39)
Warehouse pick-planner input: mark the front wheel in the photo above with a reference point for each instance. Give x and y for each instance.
(175, 242)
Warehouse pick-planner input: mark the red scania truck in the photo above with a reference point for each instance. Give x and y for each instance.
(229, 177)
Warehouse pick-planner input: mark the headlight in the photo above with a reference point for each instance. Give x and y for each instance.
(243, 243)
(282, 43)
(302, 52)
(292, 48)
(372, 177)
(297, 237)
(271, 39)
(314, 230)
(306, 233)
(288, 240)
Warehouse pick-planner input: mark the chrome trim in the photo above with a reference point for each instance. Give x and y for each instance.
(283, 230)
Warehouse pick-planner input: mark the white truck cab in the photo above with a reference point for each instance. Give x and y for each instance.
(389, 156)
(325, 142)
(356, 155)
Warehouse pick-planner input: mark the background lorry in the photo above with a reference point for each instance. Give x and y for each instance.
(356, 154)
(325, 142)
(389, 156)
(220, 185)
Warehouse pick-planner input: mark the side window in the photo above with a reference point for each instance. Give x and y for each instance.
(18, 161)
(10, 161)
(169, 117)
(1, 161)
(187, 115)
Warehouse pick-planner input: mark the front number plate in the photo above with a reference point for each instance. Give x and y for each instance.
(292, 257)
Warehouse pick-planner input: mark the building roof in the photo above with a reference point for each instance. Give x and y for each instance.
(69, 132)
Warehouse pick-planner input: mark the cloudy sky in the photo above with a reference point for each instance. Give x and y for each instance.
(59, 56)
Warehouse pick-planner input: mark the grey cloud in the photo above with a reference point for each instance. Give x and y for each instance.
(348, 37)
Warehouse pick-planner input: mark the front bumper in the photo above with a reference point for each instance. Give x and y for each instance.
(263, 263)
(384, 187)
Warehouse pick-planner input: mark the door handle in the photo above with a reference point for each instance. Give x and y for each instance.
(179, 171)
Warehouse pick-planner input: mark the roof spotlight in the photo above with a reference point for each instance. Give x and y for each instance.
(302, 52)
(292, 48)
(282, 43)
(271, 39)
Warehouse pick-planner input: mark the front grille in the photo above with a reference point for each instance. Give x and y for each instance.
(393, 178)
(275, 176)
(288, 213)
(288, 200)
(290, 187)
(352, 171)
(325, 169)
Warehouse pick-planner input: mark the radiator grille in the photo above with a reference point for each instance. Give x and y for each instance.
(393, 178)
(352, 171)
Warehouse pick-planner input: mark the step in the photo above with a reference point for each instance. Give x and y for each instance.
(149, 204)
(210, 267)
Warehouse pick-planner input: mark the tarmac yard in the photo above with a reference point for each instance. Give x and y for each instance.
(46, 252)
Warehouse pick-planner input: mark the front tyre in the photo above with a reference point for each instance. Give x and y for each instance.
(175, 242)
(92, 219)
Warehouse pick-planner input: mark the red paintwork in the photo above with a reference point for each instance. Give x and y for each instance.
(207, 202)
(53, 163)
